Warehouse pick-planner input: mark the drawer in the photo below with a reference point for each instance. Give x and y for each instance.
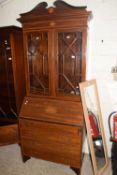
(54, 142)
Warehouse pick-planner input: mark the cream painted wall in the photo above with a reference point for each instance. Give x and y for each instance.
(102, 45)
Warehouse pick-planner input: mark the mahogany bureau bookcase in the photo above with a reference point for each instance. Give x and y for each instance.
(51, 117)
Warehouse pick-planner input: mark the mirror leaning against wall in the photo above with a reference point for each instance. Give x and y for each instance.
(94, 125)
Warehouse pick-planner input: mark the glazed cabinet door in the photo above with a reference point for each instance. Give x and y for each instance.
(55, 62)
(7, 92)
(70, 62)
(37, 59)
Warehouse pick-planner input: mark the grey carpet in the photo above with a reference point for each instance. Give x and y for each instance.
(11, 164)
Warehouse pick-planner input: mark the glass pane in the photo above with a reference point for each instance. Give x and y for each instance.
(70, 62)
(38, 62)
(7, 91)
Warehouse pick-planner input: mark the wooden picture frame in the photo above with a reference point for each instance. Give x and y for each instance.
(92, 115)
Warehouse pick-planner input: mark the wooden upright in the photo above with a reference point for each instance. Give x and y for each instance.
(51, 118)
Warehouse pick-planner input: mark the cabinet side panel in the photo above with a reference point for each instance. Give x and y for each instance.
(18, 67)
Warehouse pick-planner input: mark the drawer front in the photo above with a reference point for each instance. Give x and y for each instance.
(54, 142)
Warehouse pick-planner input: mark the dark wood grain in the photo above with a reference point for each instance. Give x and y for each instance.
(12, 82)
(57, 111)
(12, 79)
(55, 24)
(9, 134)
(51, 119)
(18, 67)
(55, 142)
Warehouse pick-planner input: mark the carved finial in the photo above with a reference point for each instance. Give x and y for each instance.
(51, 10)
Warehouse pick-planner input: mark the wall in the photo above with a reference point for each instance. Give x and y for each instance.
(102, 45)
